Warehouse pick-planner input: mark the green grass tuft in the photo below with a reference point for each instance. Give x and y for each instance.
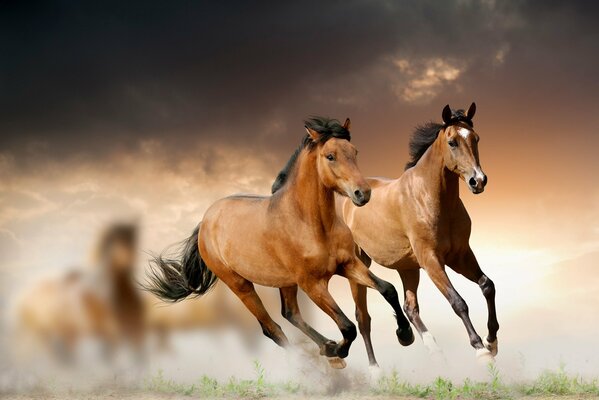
(558, 383)
(238, 388)
(549, 383)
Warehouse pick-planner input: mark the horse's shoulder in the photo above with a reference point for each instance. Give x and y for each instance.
(462, 218)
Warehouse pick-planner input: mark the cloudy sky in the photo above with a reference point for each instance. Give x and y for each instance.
(153, 110)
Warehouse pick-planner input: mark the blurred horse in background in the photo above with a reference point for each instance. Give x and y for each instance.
(101, 303)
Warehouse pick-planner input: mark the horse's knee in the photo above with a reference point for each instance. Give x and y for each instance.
(487, 286)
(457, 303)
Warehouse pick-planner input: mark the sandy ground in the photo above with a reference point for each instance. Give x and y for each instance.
(144, 395)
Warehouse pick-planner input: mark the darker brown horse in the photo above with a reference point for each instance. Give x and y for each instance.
(418, 221)
(291, 239)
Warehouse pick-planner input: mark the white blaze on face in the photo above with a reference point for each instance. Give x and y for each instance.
(463, 132)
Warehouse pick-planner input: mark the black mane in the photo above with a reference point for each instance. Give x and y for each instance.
(424, 135)
(328, 128)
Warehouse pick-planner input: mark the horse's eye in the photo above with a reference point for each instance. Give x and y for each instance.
(453, 143)
(330, 157)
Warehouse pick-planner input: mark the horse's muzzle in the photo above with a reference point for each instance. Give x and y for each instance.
(360, 197)
(477, 183)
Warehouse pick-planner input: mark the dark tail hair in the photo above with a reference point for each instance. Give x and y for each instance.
(178, 278)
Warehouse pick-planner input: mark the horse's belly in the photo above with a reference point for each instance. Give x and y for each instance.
(385, 247)
(265, 275)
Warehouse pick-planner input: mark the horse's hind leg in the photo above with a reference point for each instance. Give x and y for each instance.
(246, 292)
(290, 310)
(357, 273)
(359, 295)
(363, 317)
(410, 279)
(470, 269)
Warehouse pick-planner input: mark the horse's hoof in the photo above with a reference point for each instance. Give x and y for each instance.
(491, 346)
(329, 349)
(376, 373)
(484, 356)
(405, 336)
(336, 362)
(342, 351)
(431, 344)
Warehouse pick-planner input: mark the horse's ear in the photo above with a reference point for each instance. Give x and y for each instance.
(312, 133)
(471, 110)
(347, 124)
(446, 114)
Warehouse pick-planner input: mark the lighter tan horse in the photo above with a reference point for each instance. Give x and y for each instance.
(418, 221)
(291, 239)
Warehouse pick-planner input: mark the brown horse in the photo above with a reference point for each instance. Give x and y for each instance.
(418, 221)
(291, 239)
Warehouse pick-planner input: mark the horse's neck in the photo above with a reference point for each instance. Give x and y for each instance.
(440, 183)
(313, 200)
(119, 283)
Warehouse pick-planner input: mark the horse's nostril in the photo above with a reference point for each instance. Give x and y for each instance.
(358, 194)
(485, 180)
(472, 182)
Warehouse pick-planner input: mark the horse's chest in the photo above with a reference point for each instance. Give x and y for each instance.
(444, 236)
(323, 257)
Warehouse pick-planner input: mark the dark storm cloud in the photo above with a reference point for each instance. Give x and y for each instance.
(79, 75)
(90, 77)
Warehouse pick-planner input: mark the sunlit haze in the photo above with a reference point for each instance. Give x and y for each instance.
(150, 115)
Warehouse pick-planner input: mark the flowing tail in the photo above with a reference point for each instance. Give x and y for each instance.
(174, 279)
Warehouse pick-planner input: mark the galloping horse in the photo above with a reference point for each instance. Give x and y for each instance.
(292, 238)
(418, 221)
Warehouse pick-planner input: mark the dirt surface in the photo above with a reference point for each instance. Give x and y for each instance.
(144, 395)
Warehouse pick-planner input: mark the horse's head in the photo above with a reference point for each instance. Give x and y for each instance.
(117, 248)
(461, 147)
(337, 165)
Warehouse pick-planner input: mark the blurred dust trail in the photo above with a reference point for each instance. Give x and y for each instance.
(312, 371)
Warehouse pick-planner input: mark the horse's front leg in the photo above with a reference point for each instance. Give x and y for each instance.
(436, 271)
(358, 273)
(317, 290)
(468, 266)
